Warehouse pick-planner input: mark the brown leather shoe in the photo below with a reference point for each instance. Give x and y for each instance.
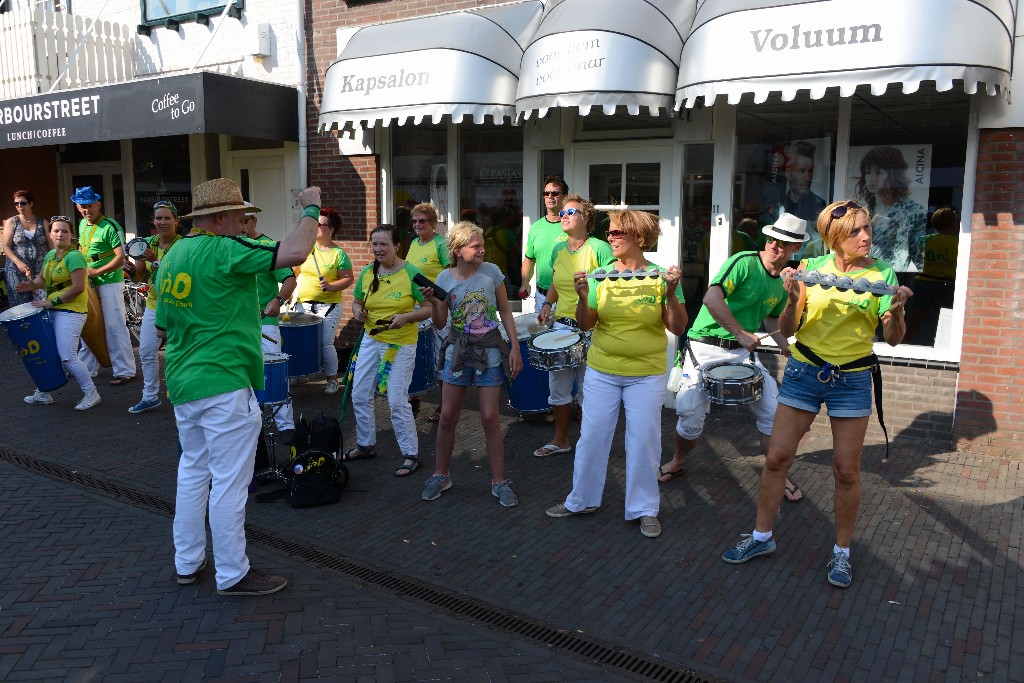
(256, 583)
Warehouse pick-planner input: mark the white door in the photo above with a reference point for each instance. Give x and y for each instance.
(264, 183)
(107, 179)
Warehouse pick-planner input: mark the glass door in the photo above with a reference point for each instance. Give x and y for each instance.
(108, 181)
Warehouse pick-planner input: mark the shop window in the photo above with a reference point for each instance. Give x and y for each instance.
(170, 13)
(622, 125)
(491, 193)
(419, 169)
(161, 171)
(906, 161)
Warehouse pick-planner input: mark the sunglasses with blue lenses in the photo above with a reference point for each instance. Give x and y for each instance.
(568, 212)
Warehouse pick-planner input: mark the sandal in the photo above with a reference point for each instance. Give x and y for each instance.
(670, 475)
(357, 452)
(405, 469)
(794, 494)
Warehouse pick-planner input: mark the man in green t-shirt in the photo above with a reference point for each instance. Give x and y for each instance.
(208, 307)
(101, 240)
(544, 234)
(746, 292)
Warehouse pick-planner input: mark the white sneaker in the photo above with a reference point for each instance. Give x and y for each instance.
(42, 398)
(332, 387)
(89, 400)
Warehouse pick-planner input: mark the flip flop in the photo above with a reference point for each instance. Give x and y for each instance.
(551, 449)
(792, 491)
(670, 475)
(358, 453)
(405, 470)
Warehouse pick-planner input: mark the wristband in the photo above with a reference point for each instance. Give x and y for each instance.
(312, 211)
(547, 303)
(56, 300)
(280, 300)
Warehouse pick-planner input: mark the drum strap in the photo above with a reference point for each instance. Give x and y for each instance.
(313, 305)
(104, 255)
(869, 362)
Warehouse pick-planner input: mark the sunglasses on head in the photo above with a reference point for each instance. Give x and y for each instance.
(568, 212)
(552, 193)
(166, 205)
(65, 219)
(841, 211)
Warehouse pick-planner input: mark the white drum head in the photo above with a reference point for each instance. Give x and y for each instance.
(18, 312)
(556, 339)
(137, 247)
(269, 357)
(523, 323)
(728, 372)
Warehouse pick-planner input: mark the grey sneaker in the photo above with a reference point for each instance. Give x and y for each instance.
(435, 485)
(650, 526)
(560, 511)
(186, 579)
(41, 398)
(840, 571)
(256, 583)
(503, 492)
(748, 549)
(332, 387)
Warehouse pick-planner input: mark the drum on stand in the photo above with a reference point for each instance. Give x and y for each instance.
(300, 340)
(275, 380)
(528, 392)
(31, 332)
(731, 384)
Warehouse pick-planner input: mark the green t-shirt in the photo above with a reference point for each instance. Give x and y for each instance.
(540, 243)
(396, 293)
(98, 242)
(629, 338)
(57, 276)
(594, 253)
(431, 258)
(267, 283)
(154, 243)
(751, 294)
(209, 306)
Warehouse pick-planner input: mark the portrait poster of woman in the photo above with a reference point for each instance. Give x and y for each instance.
(893, 182)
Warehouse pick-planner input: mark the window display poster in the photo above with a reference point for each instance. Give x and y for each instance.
(893, 182)
(797, 181)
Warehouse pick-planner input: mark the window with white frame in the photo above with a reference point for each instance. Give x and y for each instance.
(156, 12)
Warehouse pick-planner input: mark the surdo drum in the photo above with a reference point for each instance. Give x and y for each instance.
(731, 384)
(275, 379)
(528, 392)
(31, 332)
(300, 340)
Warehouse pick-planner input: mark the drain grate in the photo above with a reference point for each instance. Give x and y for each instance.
(593, 650)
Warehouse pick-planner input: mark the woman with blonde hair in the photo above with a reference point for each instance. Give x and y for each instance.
(473, 354)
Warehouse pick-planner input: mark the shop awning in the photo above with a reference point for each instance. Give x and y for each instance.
(174, 105)
(605, 53)
(460, 64)
(764, 46)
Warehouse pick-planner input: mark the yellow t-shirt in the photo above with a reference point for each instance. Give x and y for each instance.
(396, 293)
(431, 257)
(629, 338)
(331, 260)
(839, 326)
(57, 276)
(565, 263)
(154, 243)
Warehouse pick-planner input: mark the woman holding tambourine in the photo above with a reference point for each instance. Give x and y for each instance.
(320, 281)
(165, 219)
(64, 279)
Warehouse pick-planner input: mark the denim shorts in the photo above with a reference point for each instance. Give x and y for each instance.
(491, 377)
(849, 395)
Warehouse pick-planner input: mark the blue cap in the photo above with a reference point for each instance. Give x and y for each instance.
(85, 195)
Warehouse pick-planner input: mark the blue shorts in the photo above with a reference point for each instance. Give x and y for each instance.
(491, 377)
(849, 395)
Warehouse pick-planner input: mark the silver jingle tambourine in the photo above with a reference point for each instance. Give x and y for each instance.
(844, 283)
(626, 274)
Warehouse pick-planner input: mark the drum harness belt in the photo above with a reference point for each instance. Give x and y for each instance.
(568, 322)
(313, 305)
(829, 373)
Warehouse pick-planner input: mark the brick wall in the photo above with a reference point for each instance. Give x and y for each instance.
(990, 409)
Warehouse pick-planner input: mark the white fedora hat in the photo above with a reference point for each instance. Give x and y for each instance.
(789, 228)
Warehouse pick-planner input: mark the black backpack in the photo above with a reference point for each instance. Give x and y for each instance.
(314, 474)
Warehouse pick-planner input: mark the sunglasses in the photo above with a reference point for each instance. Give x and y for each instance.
(552, 193)
(65, 219)
(568, 212)
(417, 221)
(779, 241)
(841, 211)
(21, 203)
(616, 234)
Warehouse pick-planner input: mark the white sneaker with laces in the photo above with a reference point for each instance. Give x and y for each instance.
(89, 400)
(41, 398)
(332, 387)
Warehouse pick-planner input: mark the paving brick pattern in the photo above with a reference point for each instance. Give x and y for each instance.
(936, 555)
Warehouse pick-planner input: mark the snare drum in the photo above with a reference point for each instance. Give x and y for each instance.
(31, 332)
(275, 379)
(300, 340)
(137, 247)
(731, 384)
(528, 392)
(558, 350)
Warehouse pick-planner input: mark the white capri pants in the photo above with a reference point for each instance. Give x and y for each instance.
(368, 357)
(119, 342)
(67, 330)
(692, 406)
(331, 314)
(149, 349)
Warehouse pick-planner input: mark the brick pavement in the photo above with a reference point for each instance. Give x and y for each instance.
(936, 555)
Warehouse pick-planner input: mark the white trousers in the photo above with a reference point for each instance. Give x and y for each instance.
(284, 416)
(692, 406)
(327, 329)
(218, 443)
(149, 350)
(642, 397)
(119, 342)
(67, 329)
(368, 358)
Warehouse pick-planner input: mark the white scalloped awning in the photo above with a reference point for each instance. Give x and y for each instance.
(764, 46)
(459, 64)
(604, 53)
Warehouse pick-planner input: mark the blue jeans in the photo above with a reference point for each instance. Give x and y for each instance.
(848, 395)
(491, 377)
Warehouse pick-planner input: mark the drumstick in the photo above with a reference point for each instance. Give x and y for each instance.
(323, 285)
(270, 339)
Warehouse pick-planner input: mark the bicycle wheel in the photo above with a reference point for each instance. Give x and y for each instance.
(134, 307)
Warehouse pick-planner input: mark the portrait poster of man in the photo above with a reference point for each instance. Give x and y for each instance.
(893, 182)
(798, 183)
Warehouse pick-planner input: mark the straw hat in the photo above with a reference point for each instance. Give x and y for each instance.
(789, 228)
(214, 196)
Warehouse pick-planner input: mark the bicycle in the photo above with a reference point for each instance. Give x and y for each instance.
(134, 306)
